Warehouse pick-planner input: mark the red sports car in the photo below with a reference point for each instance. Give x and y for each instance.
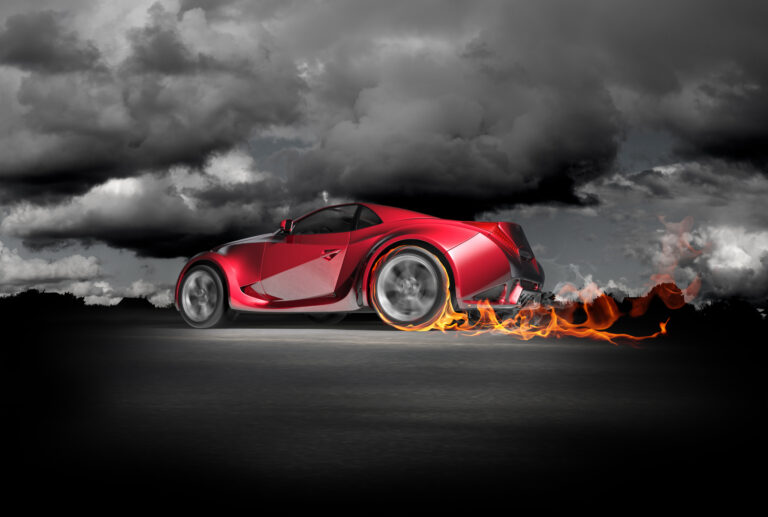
(360, 256)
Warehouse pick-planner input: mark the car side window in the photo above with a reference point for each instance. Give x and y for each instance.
(366, 218)
(329, 220)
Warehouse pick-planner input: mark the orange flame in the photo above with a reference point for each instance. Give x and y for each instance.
(673, 250)
(538, 320)
(672, 296)
(601, 311)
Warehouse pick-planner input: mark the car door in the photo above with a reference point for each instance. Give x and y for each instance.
(306, 263)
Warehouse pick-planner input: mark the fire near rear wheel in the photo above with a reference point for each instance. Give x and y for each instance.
(202, 297)
(409, 288)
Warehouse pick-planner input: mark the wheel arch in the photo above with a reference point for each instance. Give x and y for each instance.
(203, 261)
(387, 246)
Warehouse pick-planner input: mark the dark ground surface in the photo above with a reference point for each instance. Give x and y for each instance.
(137, 408)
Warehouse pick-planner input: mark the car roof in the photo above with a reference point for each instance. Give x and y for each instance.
(390, 213)
(385, 213)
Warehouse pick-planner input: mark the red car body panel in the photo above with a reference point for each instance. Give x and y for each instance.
(328, 272)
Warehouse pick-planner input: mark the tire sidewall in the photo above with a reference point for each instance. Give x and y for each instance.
(218, 314)
(437, 307)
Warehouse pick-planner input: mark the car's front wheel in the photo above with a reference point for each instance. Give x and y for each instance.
(202, 300)
(409, 288)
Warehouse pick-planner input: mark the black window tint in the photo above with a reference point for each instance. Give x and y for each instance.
(330, 220)
(367, 218)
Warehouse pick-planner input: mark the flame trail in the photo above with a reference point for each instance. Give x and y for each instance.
(537, 320)
(559, 319)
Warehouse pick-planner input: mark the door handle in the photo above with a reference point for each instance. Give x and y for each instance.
(329, 254)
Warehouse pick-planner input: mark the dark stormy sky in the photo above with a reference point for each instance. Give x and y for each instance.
(629, 138)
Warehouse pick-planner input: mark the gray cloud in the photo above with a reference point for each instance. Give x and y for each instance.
(40, 42)
(453, 108)
(17, 272)
(512, 102)
(677, 222)
(76, 274)
(181, 213)
(735, 262)
(157, 47)
(162, 99)
(714, 229)
(101, 292)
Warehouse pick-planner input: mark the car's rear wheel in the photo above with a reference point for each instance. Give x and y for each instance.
(409, 288)
(202, 300)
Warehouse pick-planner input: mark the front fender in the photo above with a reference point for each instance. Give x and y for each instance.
(211, 258)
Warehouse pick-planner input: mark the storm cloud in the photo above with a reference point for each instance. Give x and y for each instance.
(165, 93)
(164, 127)
(681, 222)
(162, 215)
(40, 42)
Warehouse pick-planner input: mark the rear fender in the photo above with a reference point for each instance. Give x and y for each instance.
(438, 239)
(473, 265)
(480, 264)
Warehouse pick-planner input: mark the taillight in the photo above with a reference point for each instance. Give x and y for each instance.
(506, 239)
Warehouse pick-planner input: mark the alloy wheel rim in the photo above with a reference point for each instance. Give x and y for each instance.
(200, 295)
(407, 287)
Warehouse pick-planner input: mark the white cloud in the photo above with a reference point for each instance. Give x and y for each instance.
(148, 202)
(92, 293)
(162, 298)
(157, 296)
(74, 274)
(16, 270)
(670, 169)
(233, 167)
(735, 262)
(102, 292)
(734, 248)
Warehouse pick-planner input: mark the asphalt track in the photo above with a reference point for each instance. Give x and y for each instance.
(280, 411)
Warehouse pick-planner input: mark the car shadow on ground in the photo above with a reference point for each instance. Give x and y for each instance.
(352, 322)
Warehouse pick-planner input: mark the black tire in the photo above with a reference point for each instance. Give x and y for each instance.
(409, 288)
(202, 300)
(326, 318)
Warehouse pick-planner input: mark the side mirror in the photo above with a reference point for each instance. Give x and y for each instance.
(286, 226)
